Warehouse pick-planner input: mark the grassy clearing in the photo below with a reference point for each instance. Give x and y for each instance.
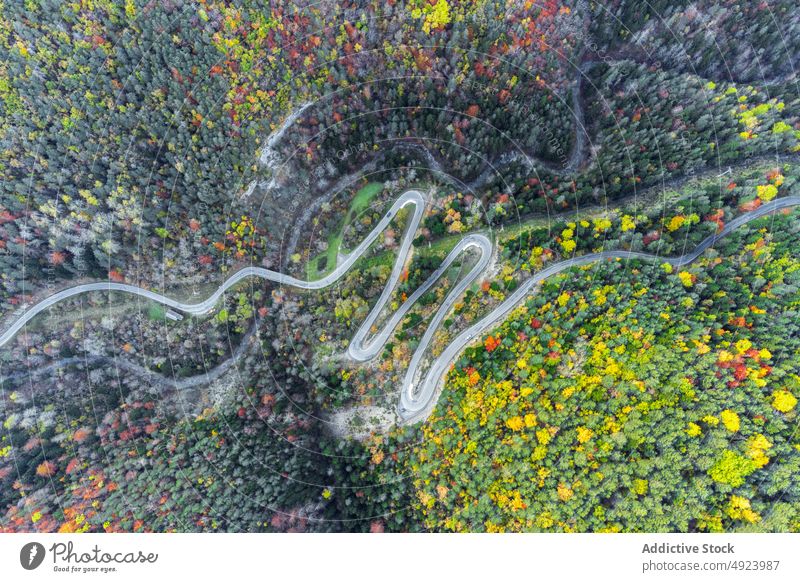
(653, 196)
(325, 262)
(443, 245)
(363, 198)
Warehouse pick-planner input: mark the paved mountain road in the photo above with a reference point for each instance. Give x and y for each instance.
(417, 397)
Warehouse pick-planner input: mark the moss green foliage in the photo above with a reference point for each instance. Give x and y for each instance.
(624, 396)
(616, 403)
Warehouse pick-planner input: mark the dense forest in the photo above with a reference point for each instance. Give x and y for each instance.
(170, 143)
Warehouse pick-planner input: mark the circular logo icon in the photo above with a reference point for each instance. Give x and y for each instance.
(31, 555)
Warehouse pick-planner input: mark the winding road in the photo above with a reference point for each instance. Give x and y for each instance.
(417, 397)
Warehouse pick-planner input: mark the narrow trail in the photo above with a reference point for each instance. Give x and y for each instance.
(418, 396)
